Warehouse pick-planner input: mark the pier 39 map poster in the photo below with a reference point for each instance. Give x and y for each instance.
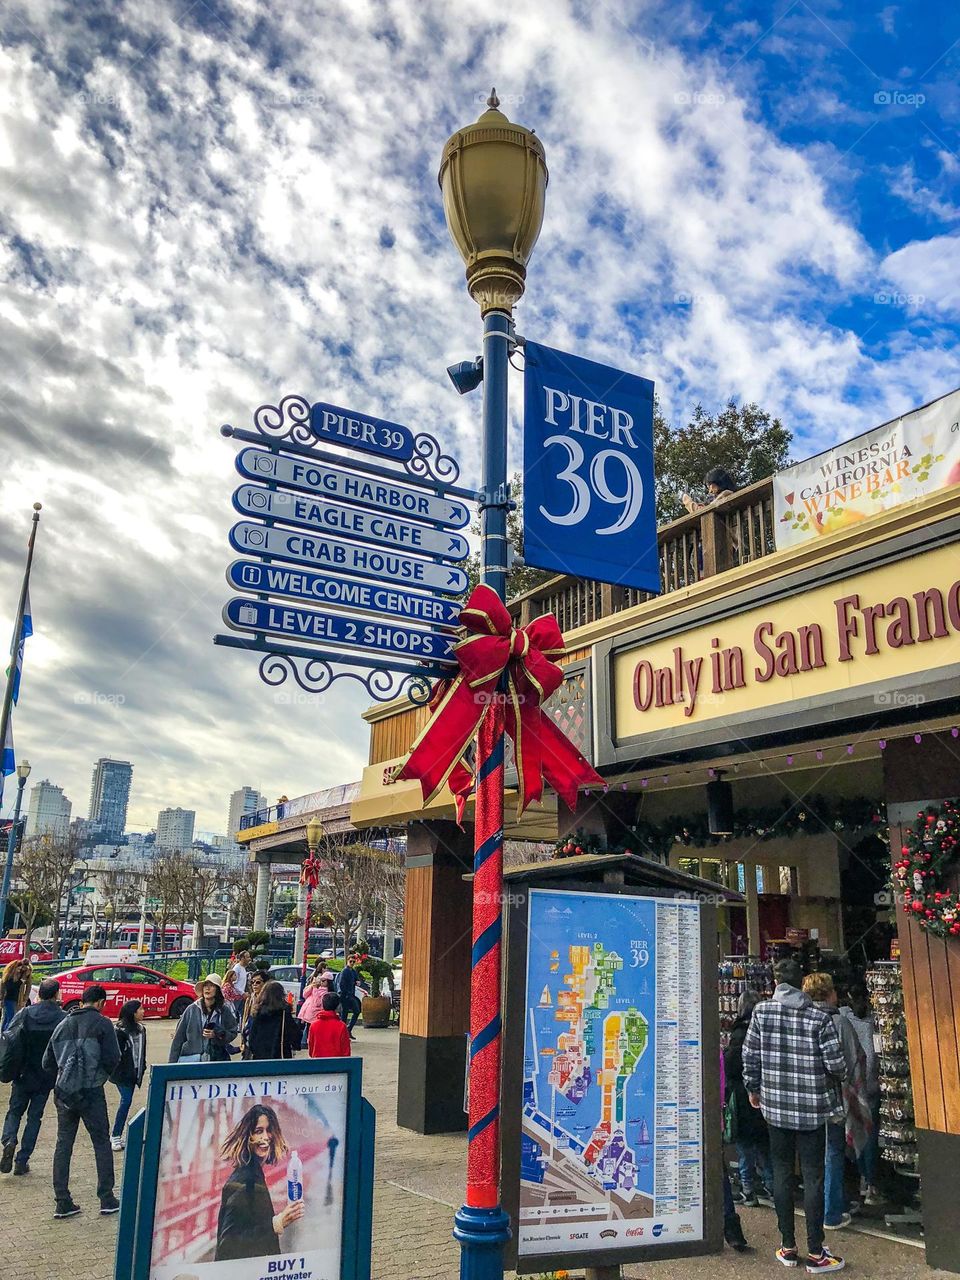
(611, 1138)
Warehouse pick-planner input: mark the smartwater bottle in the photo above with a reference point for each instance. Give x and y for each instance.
(294, 1178)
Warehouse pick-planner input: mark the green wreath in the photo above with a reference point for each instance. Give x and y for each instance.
(931, 847)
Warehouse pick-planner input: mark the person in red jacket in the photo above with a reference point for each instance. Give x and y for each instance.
(328, 1036)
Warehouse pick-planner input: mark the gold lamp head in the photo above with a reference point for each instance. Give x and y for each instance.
(314, 832)
(493, 176)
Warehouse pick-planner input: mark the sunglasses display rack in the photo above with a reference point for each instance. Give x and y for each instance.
(736, 974)
(898, 1140)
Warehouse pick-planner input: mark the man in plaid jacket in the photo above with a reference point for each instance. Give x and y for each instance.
(793, 1067)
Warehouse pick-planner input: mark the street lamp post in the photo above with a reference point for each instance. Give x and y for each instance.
(309, 876)
(493, 175)
(23, 773)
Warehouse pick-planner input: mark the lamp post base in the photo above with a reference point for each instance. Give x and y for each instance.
(481, 1233)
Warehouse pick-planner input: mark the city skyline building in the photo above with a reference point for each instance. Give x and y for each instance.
(109, 796)
(49, 811)
(243, 801)
(175, 828)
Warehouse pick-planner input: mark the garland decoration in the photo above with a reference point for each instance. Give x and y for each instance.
(931, 848)
(817, 814)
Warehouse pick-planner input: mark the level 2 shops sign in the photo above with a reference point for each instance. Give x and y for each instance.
(865, 640)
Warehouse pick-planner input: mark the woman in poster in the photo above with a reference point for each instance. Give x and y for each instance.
(248, 1226)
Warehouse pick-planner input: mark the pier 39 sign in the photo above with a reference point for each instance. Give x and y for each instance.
(589, 502)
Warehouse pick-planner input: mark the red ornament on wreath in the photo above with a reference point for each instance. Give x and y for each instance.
(928, 853)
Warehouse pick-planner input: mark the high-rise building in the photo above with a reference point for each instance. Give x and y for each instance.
(175, 828)
(49, 811)
(109, 793)
(245, 800)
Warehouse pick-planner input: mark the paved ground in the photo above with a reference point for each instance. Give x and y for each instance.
(419, 1184)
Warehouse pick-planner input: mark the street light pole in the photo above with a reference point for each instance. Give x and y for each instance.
(23, 773)
(309, 876)
(493, 176)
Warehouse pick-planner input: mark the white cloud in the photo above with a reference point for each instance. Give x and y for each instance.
(201, 212)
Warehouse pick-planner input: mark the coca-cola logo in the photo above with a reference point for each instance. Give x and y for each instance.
(634, 1231)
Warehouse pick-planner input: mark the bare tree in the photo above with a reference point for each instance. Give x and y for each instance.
(351, 884)
(240, 884)
(201, 881)
(60, 854)
(32, 888)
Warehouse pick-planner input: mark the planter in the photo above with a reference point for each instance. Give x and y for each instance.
(375, 1011)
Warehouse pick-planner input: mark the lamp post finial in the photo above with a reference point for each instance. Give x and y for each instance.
(493, 101)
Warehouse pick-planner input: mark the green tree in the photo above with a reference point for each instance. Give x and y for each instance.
(743, 439)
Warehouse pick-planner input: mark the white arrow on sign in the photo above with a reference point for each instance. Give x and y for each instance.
(347, 486)
(347, 557)
(351, 522)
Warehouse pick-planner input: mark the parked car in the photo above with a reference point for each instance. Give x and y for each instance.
(162, 997)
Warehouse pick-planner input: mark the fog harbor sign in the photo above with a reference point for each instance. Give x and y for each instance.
(371, 539)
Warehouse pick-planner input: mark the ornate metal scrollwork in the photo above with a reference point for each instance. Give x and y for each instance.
(290, 420)
(316, 675)
(429, 462)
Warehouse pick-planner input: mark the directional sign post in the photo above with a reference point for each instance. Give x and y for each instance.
(372, 545)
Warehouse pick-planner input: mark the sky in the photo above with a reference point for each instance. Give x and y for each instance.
(204, 206)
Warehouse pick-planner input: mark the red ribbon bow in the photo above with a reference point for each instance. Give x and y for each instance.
(542, 751)
(310, 872)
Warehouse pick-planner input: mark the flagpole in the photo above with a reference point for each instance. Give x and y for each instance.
(15, 642)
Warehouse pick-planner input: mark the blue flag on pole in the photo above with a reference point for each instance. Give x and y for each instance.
(26, 629)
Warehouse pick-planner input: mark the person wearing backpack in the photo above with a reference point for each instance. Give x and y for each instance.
(27, 1038)
(83, 1051)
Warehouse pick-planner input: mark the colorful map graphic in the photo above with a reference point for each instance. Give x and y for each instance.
(588, 1077)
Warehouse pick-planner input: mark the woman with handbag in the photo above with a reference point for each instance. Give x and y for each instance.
(206, 1027)
(274, 1031)
(129, 1072)
(744, 1125)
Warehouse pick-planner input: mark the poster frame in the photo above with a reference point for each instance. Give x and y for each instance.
(357, 1149)
(514, 1009)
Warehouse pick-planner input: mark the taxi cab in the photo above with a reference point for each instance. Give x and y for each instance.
(161, 997)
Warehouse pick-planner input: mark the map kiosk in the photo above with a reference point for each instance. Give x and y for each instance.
(611, 1109)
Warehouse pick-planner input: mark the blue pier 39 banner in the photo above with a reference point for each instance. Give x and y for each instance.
(589, 506)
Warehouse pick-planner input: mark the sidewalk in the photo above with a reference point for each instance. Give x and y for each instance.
(419, 1186)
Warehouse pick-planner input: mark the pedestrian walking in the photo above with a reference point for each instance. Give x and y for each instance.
(854, 1125)
(274, 1031)
(860, 1015)
(328, 1036)
(751, 1137)
(229, 989)
(128, 1076)
(31, 1030)
(83, 1051)
(15, 989)
(206, 1027)
(793, 1067)
(732, 1227)
(241, 977)
(347, 991)
(255, 987)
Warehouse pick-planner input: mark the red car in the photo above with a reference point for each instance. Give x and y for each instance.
(161, 997)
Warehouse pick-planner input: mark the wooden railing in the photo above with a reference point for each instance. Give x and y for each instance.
(733, 532)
